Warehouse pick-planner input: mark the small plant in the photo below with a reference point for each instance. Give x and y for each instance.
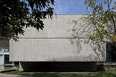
(108, 66)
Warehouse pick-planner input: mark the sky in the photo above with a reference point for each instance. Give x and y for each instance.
(72, 6)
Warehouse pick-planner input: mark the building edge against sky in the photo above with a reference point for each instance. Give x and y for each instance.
(51, 46)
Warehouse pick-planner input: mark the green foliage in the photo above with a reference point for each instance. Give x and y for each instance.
(17, 14)
(103, 18)
(99, 24)
(109, 73)
(108, 66)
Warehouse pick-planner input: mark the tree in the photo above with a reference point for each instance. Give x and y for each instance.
(17, 14)
(99, 26)
(102, 17)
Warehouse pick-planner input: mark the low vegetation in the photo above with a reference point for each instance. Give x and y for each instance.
(108, 73)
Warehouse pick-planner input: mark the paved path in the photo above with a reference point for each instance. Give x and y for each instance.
(9, 75)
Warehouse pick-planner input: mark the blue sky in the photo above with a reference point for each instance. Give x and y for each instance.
(72, 6)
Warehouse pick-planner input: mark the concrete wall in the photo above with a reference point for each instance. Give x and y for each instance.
(52, 44)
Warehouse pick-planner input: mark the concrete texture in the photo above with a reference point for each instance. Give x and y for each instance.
(52, 44)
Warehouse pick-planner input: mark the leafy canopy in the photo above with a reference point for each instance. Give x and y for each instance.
(102, 17)
(17, 14)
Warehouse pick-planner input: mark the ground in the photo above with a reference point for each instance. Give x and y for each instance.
(107, 73)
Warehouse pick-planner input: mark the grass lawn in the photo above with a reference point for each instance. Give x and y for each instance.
(109, 73)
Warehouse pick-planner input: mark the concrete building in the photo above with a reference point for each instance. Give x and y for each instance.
(4, 55)
(55, 48)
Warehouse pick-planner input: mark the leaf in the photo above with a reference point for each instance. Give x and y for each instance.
(110, 26)
(75, 22)
(114, 39)
(102, 29)
(99, 23)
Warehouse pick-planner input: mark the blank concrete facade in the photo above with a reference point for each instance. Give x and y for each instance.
(55, 44)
